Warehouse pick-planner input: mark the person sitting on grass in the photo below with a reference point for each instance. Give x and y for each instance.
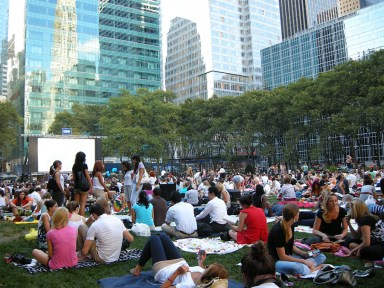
(21, 202)
(171, 270)
(367, 240)
(258, 268)
(142, 211)
(252, 224)
(61, 243)
(45, 223)
(281, 248)
(103, 239)
(330, 222)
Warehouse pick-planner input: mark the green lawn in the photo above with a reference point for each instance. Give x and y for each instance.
(12, 240)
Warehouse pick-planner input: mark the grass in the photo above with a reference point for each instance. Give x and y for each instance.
(12, 240)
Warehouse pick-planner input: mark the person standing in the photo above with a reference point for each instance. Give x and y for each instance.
(305, 168)
(79, 195)
(128, 174)
(138, 172)
(99, 187)
(58, 193)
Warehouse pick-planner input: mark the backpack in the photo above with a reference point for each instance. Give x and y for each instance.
(83, 181)
(52, 184)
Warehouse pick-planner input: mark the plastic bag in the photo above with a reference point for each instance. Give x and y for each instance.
(370, 200)
(141, 229)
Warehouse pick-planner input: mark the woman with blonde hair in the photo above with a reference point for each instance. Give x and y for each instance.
(224, 194)
(368, 239)
(330, 222)
(290, 259)
(100, 190)
(61, 243)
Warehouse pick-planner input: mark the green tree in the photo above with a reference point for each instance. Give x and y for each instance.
(10, 123)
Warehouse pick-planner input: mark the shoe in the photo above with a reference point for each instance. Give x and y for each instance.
(20, 259)
(225, 236)
(364, 274)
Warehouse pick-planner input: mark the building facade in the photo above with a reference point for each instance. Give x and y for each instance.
(212, 47)
(321, 48)
(3, 46)
(62, 52)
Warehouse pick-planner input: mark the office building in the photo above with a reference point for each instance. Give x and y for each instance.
(293, 17)
(79, 52)
(3, 46)
(212, 47)
(321, 48)
(62, 52)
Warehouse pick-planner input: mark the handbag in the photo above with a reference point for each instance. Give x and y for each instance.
(332, 275)
(144, 179)
(326, 247)
(83, 181)
(52, 184)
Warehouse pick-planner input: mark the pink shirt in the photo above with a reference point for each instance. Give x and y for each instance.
(63, 247)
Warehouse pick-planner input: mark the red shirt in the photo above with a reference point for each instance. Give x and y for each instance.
(25, 201)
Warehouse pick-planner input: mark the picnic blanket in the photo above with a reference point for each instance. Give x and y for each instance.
(210, 245)
(144, 280)
(300, 204)
(36, 267)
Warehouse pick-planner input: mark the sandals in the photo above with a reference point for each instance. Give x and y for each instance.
(364, 274)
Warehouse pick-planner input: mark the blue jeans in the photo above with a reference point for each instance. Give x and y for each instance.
(295, 268)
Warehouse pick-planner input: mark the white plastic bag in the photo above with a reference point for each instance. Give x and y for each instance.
(370, 200)
(141, 229)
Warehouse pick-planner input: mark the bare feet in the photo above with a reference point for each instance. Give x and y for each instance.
(316, 268)
(135, 271)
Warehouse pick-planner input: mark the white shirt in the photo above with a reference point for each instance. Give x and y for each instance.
(216, 209)
(203, 188)
(192, 196)
(97, 184)
(128, 178)
(36, 197)
(107, 230)
(288, 191)
(182, 281)
(228, 185)
(222, 170)
(266, 285)
(351, 179)
(183, 215)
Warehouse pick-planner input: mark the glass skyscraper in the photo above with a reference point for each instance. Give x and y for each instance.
(79, 52)
(3, 46)
(321, 48)
(212, 47)
(63, 52)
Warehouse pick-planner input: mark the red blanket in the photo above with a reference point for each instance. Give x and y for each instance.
(300, 204)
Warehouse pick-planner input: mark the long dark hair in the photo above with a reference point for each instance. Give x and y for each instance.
(143, 199)
(79, 160)
(126, 165)
(258, 266)
(52, 169)
(137, 158)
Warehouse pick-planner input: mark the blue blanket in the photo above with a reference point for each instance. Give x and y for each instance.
(144, 280)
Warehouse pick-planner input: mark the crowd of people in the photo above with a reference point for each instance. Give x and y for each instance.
(199, 207)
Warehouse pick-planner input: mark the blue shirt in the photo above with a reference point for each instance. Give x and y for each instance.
(143, 214)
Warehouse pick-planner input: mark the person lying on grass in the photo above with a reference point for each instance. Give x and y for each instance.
(170, 269)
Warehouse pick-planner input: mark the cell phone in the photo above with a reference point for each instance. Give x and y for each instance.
(313, 252)
(199, 254)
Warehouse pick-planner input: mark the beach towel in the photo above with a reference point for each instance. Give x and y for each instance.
(144, 280)
(36, 267)
(300, 204)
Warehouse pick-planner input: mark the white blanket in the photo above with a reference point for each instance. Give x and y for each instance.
(210, 245)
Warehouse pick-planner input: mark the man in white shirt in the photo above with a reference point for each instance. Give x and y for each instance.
(351, 177)
(192, 196)
(183, 215)
(216, 210)
(104, 238)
